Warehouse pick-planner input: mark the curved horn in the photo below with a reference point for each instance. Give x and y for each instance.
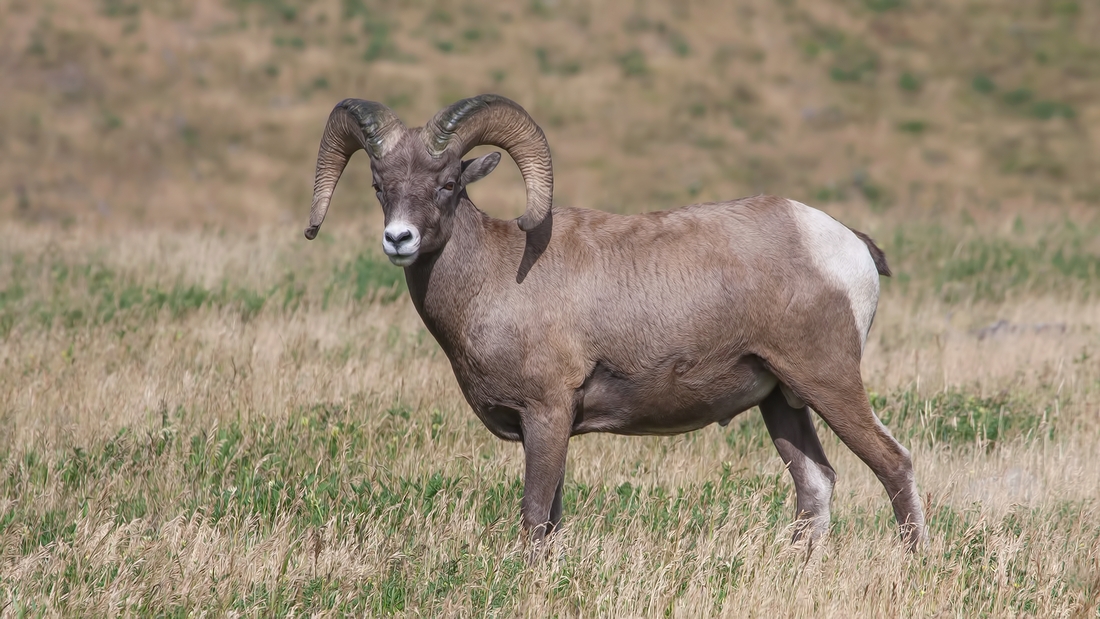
(499, 121)
(353, 124)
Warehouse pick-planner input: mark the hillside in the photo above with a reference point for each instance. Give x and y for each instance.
(180, 113)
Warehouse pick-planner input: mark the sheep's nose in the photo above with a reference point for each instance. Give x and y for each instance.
(398, 237)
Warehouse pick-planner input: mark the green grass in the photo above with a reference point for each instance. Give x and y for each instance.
(910, 82)
(230, 423)
(48, 293)
(271, 429)
(964, 420)
(1061, 260)
(915, 127)
(983, 83)
(318, 470)
(633, 63)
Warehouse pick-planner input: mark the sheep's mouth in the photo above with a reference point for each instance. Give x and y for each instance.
(404, 260)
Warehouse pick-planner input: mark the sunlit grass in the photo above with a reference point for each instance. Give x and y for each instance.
(225, 419)
(202, 423)
(181, 112)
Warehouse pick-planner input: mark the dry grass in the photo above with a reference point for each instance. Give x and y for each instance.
(205, 414)
(158, 112)
(200, 422)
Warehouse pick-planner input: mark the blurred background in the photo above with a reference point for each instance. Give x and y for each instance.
(185, 113)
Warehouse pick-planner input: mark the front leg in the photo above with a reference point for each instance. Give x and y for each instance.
(555, 507)
(546, 432)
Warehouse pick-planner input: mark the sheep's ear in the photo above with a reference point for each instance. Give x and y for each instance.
(474, 170)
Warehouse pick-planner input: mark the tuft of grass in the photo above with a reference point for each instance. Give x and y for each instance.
(120, 8)
(963, 270)
(829, 193)
(111, 121)
(282, 10)
(882, 6)
(633, 63)
(909, 82)
(1046, 110)
(983, 84)
(962, 419)
(678, 43)
(877, 196)
(1018, 96)
(915, 127)
(551, 64)
(380, 43)
(293, 42)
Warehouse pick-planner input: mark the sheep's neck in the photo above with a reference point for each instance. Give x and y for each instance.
(444, 285)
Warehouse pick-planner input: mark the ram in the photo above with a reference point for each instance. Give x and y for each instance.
(577, 321)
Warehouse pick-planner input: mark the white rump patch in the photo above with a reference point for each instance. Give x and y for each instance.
(843, 260)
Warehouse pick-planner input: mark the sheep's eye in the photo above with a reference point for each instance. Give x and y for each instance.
(450, 186)
(377, 189)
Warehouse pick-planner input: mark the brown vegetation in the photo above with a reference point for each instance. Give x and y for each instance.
(204, 412)
(117, 111)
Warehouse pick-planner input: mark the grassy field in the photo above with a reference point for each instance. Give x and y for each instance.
(256, 424)
(205, 414)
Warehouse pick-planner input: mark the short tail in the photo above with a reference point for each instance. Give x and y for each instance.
(876, 254)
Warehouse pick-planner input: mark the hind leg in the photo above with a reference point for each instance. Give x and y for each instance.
(792, 431)
(837, 395)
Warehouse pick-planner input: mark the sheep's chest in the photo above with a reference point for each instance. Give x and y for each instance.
(495, 405)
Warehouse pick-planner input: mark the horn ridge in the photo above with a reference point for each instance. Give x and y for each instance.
(353, 124)
(499, 121)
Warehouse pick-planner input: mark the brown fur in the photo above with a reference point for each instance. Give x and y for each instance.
(657, 323)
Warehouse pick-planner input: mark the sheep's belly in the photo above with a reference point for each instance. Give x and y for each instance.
(671, 402)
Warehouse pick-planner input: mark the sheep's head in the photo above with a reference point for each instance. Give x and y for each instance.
(419, 174)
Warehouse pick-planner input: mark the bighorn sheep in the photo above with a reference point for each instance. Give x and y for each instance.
(580, 321)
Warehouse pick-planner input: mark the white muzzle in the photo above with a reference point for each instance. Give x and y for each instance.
(401, 242)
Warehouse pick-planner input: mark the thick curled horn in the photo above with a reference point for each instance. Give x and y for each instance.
(499, 121)
(353, 124)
